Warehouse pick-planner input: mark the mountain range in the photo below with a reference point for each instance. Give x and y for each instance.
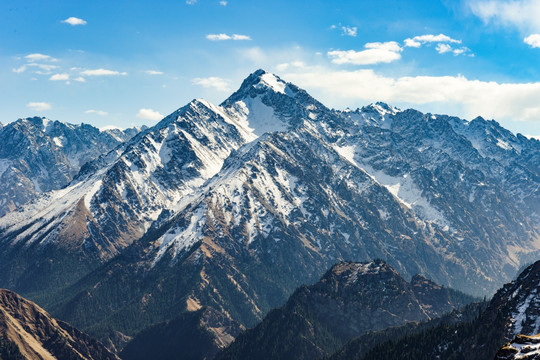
(39, 155)
(218, 213)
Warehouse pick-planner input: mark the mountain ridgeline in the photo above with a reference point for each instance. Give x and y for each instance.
(228, 209)
(350, 300)
(38, 155)
(511, 317)
(28, 332)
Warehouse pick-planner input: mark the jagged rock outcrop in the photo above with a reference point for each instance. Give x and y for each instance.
(38, 155)
(522, 347)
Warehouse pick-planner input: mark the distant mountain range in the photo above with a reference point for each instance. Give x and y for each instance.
(227, 209)
(38, 155)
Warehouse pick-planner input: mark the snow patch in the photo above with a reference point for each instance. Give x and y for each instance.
(88, 197)
(273, 83)
(58, 141)
(4, 165)
(180, 238)
(503, 145)
(346, 152)
(261, 118)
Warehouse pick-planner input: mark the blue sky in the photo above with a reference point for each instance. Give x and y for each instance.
(125, 63)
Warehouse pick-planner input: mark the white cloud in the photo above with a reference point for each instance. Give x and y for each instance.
(417, 41)
(375, 53)
(191, 2)
(101, 72)
(154, 72)
(45, 67)
(39, 57)
(468, 98)
(39, 106)
(19, 70)
(212, 82)
(443, 48)
(521, 14)
(285, 66)
(59, 77)
(73, 21)
(149, 114)
(349, 30)
(80, 79)
(462, 50)
(222, 37)
(223, 3)
(97, 112)
(533, 40)
(412, 43)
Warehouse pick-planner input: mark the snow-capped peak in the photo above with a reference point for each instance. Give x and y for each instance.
(272, 82)
(383, 108)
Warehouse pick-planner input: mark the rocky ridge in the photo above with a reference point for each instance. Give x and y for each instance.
(35, 335)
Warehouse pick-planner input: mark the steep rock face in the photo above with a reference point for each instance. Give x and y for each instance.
(350, 299)
(33, 334)
(38, 155)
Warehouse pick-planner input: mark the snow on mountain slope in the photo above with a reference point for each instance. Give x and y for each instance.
(240, 220)
(39, 155)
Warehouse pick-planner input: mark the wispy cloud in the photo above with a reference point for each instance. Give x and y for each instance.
(349, 30)
(102, 72)
(346, 30)
(20, 69)
(80, 79)
(222, 37)
(149, 114)
(521, 14)
(375, 53)
(59, 77)
(97, 112)
(490, 99)
(191, 2)
(153, 72)
(223, 3)
(533, 40)
(217, 83)
(73, 21)
(39, 57)
(285, 66)
(39, 106)
(462, 50)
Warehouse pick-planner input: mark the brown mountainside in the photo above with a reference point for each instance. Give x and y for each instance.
(30, 329)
